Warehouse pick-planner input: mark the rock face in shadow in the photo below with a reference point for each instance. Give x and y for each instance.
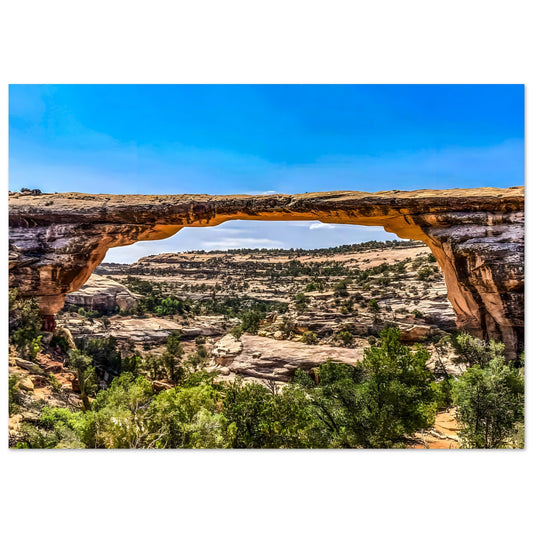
(477, 236)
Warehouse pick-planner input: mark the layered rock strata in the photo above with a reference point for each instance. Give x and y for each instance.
(477, 236)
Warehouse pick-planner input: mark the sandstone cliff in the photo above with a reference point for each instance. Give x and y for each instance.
(477, 236)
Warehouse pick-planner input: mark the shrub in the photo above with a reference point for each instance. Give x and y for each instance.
(425, 273)
(340, 289)
(301, 301)
(54, 384)
(250, 321)
(345, 336)
(471, 350)
(15, 396)
(373, 305)
(309, 338)
(237, 332)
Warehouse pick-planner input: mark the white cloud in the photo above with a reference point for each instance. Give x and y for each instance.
(321, 225)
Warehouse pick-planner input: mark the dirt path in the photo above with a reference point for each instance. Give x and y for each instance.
(443, 434)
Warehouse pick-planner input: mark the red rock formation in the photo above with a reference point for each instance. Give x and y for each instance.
(477, 236)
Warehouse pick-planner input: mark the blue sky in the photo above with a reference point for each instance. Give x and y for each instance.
(226, 139)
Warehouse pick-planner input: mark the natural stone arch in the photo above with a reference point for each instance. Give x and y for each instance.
(476, 235)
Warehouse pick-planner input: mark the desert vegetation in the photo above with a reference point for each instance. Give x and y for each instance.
(88, 385)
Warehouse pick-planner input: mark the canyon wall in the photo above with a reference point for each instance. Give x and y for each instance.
(476, 235)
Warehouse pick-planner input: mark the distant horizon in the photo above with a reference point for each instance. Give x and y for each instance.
(408, 243)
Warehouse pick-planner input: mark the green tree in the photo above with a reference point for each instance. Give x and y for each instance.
(341, 288)
(199, 358)
(473, 351)
(301, 301)
(152, 366)
(25, 324)
(490, 402)
(172, 357)
(188, 417)
(104, 353)
(247, 407)
(377, 404)
(260, 419)
(121, 414)
(81, 364)
(250, 321)
(397, 391)
(15, 396)
(425, 273)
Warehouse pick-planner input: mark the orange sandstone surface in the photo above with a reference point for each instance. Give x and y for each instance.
(476, 235)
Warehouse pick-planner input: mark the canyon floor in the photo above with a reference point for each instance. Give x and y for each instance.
(308, 307)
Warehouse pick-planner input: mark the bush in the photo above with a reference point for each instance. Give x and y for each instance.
(54, 384)
(340, 289)
(15, 396)
(169, 306)
(345, 336)
(250, 321)
(237, 332)
(199, 358)
(309, 338)
(172, 357)
(104, 354)
(377, 404)
(473, 351)
(373, 305)
(301, 301)
(425, 273)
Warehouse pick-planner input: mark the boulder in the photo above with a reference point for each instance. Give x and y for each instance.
(102, 294)
(417, 333)
(65, 333)
(267, 358)
(28, 365)
(26, 384)
(226, 349)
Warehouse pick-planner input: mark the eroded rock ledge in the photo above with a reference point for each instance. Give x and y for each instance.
(477, 236)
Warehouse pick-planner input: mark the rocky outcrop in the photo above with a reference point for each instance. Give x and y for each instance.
(265, 358)
(150, 330)
(102, 294)
(477, 236)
